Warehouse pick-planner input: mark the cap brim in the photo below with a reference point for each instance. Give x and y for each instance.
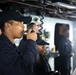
(43, 43)
(26, 20)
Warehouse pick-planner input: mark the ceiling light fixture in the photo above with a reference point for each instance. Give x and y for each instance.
(64, 5)
(72, 16)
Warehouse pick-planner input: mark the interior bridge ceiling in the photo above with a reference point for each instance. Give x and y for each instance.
(64, 9)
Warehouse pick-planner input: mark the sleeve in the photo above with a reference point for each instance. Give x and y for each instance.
(22, 46)
(30, 56)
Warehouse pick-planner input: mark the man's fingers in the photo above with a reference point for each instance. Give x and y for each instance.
(30, 30)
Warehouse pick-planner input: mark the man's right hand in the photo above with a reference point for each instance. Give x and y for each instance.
(31, 35)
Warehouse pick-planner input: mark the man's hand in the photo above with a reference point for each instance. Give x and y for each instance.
(31, 35)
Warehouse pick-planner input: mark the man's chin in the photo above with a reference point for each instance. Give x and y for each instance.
(19, 37)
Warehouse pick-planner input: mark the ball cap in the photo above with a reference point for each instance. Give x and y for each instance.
(13, 15)
(40, 41)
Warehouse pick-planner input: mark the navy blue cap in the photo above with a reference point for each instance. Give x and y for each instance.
(13, 15)
(40, 41)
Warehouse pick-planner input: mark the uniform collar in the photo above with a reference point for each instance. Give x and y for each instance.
(4, 37)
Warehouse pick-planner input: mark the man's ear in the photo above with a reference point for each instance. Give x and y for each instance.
(7, 25)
